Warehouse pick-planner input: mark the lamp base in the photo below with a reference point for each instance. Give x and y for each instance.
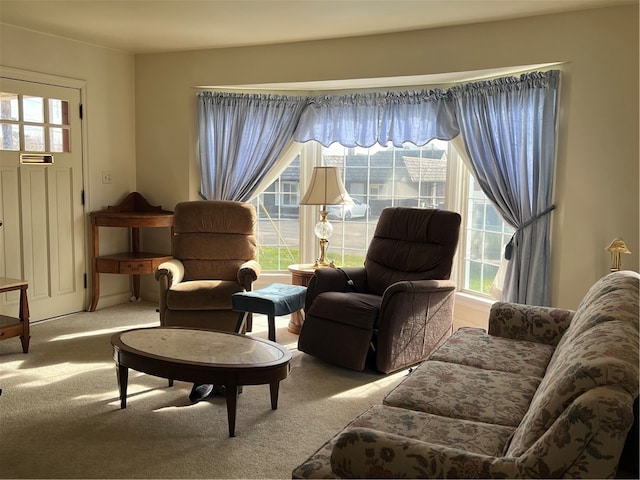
(322, 261)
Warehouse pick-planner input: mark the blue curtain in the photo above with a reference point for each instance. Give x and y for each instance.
(241, 136)
(508, 126)
(509, 130)
(366, 119)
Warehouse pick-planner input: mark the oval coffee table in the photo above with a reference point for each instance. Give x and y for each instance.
(201, 356)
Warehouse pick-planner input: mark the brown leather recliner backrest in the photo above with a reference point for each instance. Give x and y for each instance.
(411, 244)
(213, 238)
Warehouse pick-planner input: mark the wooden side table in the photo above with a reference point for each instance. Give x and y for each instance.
(301, 274)
(11, 326)
(134, 212)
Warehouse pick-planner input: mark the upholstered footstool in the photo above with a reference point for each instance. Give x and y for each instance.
(274, 300)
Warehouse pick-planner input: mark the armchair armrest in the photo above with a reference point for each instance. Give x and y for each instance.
(415, 317)
(369, 453)
(333, 280)
(248, 273)
(529, 322)
(171, 272)
(168, 274)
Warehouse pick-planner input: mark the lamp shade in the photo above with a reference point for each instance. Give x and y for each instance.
(326, 188)
(618, 246)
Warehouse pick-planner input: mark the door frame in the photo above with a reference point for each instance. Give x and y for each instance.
(81, 85)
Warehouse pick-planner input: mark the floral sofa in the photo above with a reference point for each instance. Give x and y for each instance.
(545, 393)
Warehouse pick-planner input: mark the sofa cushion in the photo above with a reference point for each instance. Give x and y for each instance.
(465, 392)
(454, 433)
(473, 347)
(202, 295)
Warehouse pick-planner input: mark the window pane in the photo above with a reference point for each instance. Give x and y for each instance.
(34, 138)
(9, 106)
(380, 177)
(485, 235)
(33, 109)
(9, 137)
(278, 221)
(58, 112)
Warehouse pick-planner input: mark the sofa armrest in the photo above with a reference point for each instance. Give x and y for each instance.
(334, 280)
(369, 453)
(248, 273)
(531, 323)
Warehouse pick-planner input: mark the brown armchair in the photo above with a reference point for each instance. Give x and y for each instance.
(399, 306)
(214, 249)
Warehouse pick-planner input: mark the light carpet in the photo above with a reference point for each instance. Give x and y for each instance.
(60, 413)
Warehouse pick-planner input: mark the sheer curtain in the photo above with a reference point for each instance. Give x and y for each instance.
(241, 137)
(509, 130)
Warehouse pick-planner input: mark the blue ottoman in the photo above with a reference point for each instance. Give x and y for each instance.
(274, 300)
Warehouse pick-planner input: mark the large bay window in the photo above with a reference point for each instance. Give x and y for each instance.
(504, 129)
(431, 176)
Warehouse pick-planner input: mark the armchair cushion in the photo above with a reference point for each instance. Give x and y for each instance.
(359, 310)
(202, 295)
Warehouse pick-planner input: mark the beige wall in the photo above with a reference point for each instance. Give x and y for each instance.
(146, 134)
(109, 120)
(597, 174)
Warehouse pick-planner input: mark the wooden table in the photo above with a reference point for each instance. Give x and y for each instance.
(301, 274)
(16, 326)
(203, 357)
(133, 212)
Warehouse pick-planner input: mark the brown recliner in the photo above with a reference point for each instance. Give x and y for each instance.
(214, 250)
(399, 305)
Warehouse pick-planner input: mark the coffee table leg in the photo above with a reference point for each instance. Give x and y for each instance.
(274, 388)
(232, 403)
(123, 378)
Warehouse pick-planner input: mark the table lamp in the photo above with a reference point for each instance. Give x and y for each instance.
(326, 188)
(617, 247)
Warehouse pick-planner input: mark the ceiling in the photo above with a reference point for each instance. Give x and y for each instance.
(148, 26)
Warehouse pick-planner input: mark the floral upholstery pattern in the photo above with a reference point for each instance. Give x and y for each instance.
(484, 405)
(470, 393)
(473, 347)
(530, 323)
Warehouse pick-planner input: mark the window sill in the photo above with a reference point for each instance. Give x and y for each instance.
(471, 311)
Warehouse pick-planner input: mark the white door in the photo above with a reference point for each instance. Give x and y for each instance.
(42, 236)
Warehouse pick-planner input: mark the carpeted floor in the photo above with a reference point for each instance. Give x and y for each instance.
(60, 414)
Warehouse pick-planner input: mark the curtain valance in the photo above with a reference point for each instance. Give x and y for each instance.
(364, 119)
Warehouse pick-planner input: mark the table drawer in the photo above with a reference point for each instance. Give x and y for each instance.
(135, 267)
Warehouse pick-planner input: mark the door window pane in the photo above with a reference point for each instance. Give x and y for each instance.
(34, 138)
(59, 139)
(33, 109)
(9, 106)
(58, 112)
(9, 136)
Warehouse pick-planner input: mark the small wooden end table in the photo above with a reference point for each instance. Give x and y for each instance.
(16, 326)
(202, 357)
(301, 274)
(134, 212)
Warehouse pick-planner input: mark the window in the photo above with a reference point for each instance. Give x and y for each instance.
(375, 178)
(34, 124)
